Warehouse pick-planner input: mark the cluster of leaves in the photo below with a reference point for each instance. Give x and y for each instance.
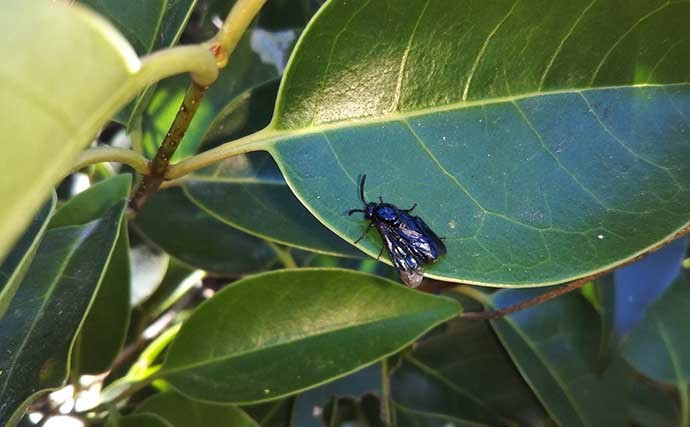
(543, 146)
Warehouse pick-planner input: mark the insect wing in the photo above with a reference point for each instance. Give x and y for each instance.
(423, 241)
(404, 257)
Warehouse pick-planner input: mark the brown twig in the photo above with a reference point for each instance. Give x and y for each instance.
(576, 284)
(159, 165)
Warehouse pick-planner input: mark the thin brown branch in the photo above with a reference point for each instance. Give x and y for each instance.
(159, 165)
(576, 284)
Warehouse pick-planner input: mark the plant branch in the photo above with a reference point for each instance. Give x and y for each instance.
(111, 154)
(218, 51)
(159, 164)
(576, 284)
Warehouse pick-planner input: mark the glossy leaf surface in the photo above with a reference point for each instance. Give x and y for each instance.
(42, 320)
(221, 352)
(180, 411)
(554, 345)
(537, 152)
(19, 259)
(54, 101)
(199, 239)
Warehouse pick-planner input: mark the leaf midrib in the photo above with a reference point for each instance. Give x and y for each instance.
(274, 131)
(163, 372)
(87, 230)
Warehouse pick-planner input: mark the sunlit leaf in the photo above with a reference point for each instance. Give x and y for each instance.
(57, 92)
(221, 352)
(543, 146)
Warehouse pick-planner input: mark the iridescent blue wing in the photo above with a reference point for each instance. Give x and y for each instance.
(422, 239)
(403, 255)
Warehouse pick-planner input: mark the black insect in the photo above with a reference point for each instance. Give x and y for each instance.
(409, 241)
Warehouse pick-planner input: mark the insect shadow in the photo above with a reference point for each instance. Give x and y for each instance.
(409, 241)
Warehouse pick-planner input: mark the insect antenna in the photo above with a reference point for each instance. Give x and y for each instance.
(361, 188)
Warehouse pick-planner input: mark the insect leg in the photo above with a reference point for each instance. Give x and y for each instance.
(380, 253)
(351, 211)
(409, 210)
(365, 233)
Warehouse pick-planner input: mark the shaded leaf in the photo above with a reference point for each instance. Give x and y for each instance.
(624, 295)
(664, 330)
(136, 420)
(42, 320)
(278, 413)
(220, 354)
(104, 330)
(554, 345)
(310, 406)
(198, 239)
(536, 152)
(50, 121)
(19, 259)
(653, 406)
(181, 411)
(462, 373)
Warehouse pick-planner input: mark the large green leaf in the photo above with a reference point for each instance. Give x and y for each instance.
(38, 329)
(180, 411)
(554, 345)
(199, 239)
(462, 374)
(148, 26)
(543, 146)
(19, 259)
(313, 325)
(64, 73)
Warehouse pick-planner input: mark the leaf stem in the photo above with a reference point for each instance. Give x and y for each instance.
(254, 142)
(283, 255)
(112, 154)
(472, 292)
(684, 404)
(569, 287)
(386, 391)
